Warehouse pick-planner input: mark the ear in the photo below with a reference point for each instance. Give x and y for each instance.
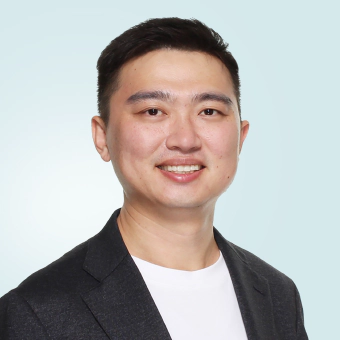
(243, 132)
(99, 137)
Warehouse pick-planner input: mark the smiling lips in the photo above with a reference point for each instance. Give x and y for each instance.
(181, 169)
(183, 173)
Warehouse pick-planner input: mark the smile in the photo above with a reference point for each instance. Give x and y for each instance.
(181, 169)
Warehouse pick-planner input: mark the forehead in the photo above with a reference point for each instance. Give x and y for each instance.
(181, 72)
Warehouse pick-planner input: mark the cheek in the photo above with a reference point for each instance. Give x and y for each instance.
(224, 143)
(134, 143)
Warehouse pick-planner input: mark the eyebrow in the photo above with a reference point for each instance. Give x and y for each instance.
(166, 96)
(142, 95)
(212, 96)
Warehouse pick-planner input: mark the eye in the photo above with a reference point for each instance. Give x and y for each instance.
(153, 112)
(209, 112)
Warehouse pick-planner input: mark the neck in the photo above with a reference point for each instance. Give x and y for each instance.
(181, 240)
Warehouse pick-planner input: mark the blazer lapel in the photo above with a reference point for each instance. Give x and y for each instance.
(252, 292)
(121, 302)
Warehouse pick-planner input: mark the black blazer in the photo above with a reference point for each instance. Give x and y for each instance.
(95, 291)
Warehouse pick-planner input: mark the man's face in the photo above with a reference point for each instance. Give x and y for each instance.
(174, 133)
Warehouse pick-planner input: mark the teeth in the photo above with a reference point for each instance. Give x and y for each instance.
(181, 169)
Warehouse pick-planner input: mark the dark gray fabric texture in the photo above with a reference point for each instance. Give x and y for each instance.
(95, 291)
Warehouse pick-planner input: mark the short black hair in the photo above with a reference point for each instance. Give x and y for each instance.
(155, 34)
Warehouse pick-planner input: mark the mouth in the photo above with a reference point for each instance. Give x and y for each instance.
(181, 169)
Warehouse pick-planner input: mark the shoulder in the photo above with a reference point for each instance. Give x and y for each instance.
(56, 282)
(75, 272)
(283, 291)
(45, 296)
(271, 274)
(245, 266)
(63, 273)
(280, 284)
(50, 304)
(280, 292)
(241, 257)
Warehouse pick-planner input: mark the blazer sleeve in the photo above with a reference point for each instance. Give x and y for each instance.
(300, 326)
(18, 320)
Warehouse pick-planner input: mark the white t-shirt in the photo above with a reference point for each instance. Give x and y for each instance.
(197, 304)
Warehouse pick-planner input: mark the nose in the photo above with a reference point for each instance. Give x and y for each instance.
(183, 135)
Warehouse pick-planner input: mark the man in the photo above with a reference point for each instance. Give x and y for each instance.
(170, 123)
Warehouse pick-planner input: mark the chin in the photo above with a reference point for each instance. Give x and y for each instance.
(185, 203)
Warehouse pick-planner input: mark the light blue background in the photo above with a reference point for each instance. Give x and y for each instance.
(283, 206)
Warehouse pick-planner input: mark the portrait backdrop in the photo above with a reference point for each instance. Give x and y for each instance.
(56, 192)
